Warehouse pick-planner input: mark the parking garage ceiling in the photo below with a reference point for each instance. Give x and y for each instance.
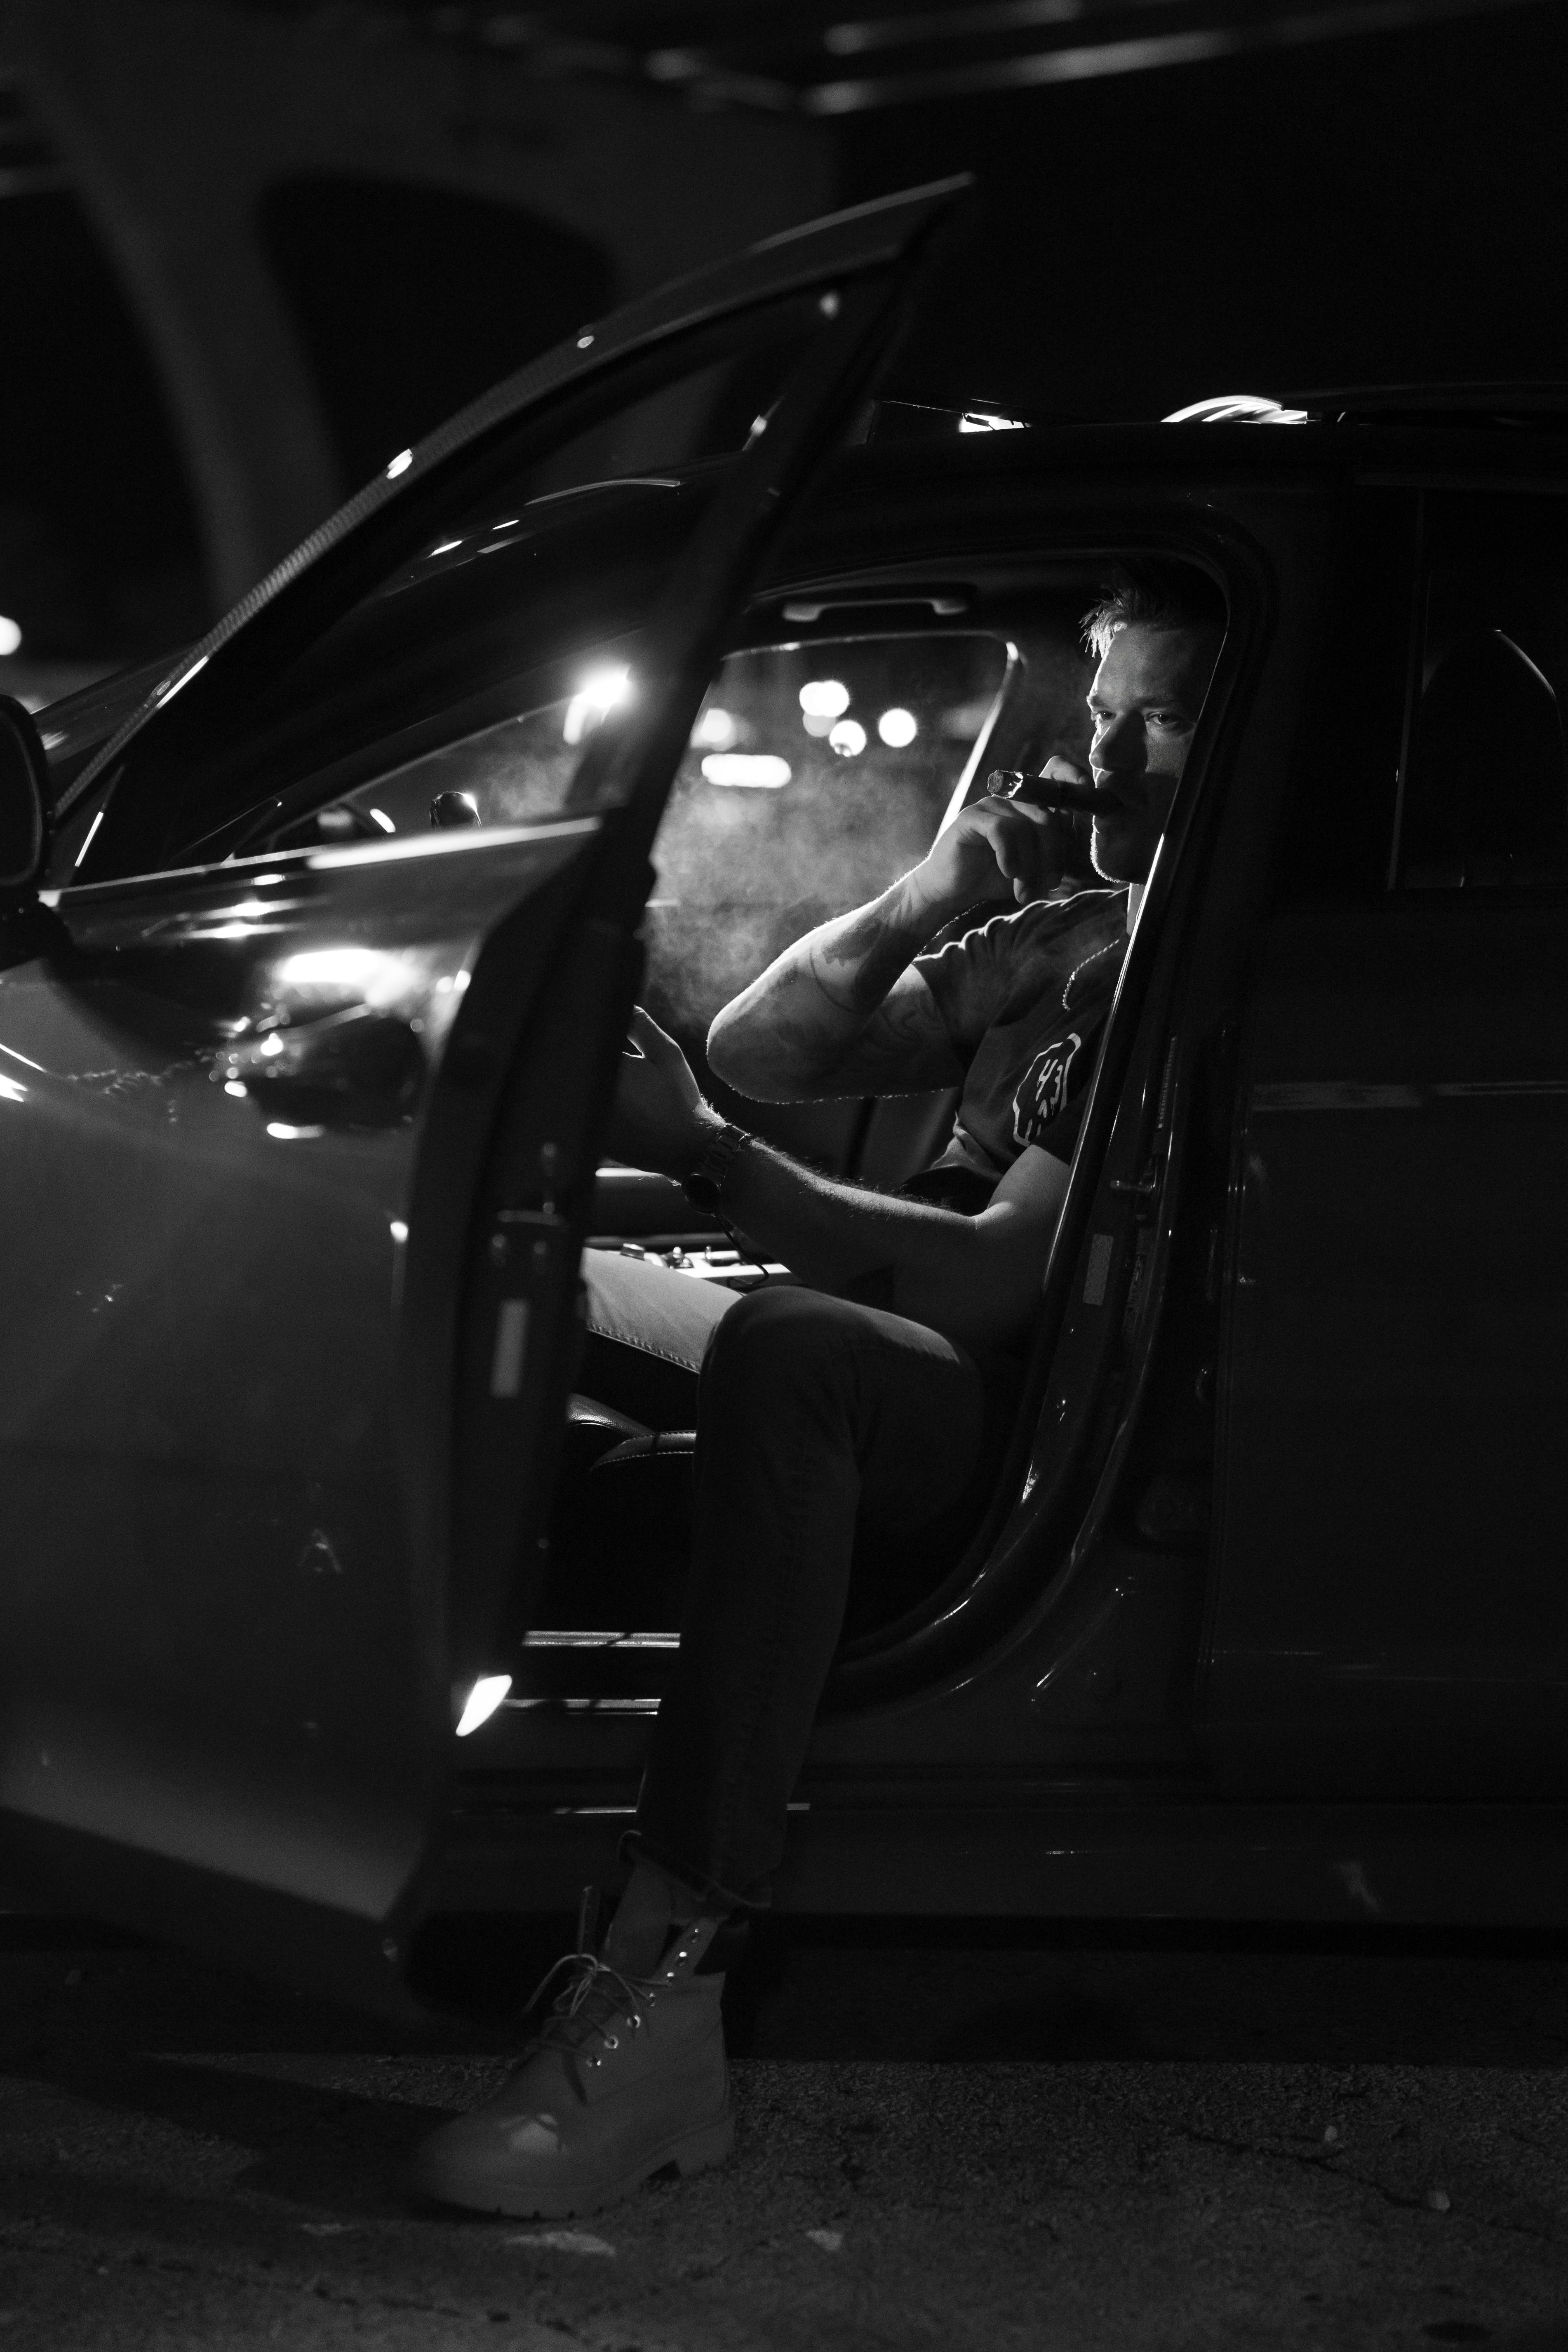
(818, 58)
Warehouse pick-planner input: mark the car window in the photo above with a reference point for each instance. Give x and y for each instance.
(480, 670)
(815, 775)
(1484, 781)
(485, 623)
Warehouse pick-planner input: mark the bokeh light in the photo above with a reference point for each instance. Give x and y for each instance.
(716, 730)
(755, 770)
(897, 728)
(600, 693)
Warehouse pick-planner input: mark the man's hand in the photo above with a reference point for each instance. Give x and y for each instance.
(660, 1120)
(1025, 845)
(976, 1278)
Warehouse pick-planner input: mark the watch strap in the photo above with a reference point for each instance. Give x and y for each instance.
(705, 1185)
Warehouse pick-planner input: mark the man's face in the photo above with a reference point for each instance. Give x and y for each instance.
(1145, 698)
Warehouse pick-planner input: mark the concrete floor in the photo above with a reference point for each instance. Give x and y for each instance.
(977, 2141)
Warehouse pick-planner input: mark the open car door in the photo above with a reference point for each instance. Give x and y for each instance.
(300, 1096)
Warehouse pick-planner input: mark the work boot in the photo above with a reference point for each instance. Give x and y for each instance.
(626, 2077)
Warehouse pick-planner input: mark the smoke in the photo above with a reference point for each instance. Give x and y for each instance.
(873, 734)
(742, 873)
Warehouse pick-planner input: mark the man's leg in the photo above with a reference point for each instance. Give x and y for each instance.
(818, 1418)
(648, 1329)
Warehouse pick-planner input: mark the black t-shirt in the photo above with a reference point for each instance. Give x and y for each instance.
(1024, 997)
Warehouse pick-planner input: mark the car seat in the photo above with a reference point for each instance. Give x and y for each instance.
(620, 1532)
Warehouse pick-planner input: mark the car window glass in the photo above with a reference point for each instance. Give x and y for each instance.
(508, 592)
(815, 775)
(1484, 800)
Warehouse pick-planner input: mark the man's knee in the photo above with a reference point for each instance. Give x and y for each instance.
(776, 1338)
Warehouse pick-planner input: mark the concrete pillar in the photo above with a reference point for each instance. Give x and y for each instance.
(174, 116)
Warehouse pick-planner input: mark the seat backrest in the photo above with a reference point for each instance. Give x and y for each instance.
(903, 1135)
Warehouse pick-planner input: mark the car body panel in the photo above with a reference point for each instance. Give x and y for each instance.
(310, 1155)
(1121, 1853)
(1393, 1612)
(1163, 1672)
(235, 1102)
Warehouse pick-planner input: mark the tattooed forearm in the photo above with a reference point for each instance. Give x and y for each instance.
(839, 1012)
(856, 960)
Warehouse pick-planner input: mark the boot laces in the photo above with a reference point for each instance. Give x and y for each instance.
(590, 2002)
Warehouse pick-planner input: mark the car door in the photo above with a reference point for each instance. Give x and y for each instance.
(1392, 1615)
(302, 1107)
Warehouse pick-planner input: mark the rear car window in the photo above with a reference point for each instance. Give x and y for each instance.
(1484, 783)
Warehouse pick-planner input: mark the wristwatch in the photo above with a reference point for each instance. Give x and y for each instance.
(705, 1185)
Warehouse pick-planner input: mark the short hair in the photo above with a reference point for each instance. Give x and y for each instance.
(1155, 594)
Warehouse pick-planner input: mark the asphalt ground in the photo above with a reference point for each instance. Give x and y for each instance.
(975, 2139)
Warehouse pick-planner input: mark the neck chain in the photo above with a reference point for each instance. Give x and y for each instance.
(1111, 946)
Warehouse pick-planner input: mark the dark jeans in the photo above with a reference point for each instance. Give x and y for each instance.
(842, 1454)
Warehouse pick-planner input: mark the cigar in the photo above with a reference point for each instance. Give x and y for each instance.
(1046, 793)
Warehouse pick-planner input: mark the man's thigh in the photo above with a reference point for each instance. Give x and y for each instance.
(898, 1402)
(922, 1415)
(864, 1443)
(647, 1330)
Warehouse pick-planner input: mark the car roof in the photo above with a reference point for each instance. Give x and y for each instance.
(1539, 406)
(1470, 432)
(1492, 432)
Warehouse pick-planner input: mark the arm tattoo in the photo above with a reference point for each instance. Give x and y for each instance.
(829, 1012)
(856, 967)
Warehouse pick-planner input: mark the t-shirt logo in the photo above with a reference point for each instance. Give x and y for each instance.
(1043, 1090)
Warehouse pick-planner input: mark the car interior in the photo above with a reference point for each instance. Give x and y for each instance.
(850, 718)
(853, 713)
(843, 727)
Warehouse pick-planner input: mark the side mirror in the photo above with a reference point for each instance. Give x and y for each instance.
(24, 799)
(453, 808)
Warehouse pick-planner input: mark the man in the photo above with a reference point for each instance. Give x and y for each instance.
(870, 1404)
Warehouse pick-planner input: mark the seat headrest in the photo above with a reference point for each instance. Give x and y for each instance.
(1487, 781)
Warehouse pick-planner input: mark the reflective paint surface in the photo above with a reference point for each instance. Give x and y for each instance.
(224, 1542)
